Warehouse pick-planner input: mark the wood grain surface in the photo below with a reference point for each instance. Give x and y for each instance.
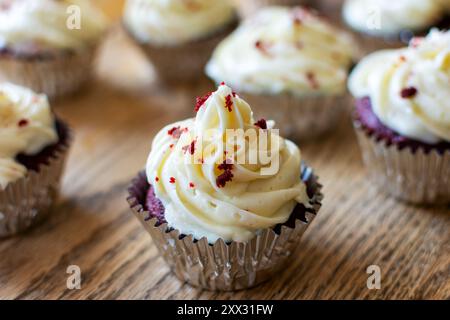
(115, 119)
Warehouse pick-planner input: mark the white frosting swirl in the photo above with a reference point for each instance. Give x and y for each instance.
(172, 22)
(422, 73)
(27, 126)
(281, 50)
(260, 194)
(386, 17)
(44, 23)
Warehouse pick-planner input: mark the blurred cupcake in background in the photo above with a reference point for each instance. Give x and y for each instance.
(178, 36)
(402, 118)
(225, 198)
(33, 148)
(386, 23)
(291, 65)
(49, 45)
(247, 8)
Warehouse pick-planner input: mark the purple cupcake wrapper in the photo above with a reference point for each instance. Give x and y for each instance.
(224, 266)
(415, 176)
(55, 76)
(27, 201)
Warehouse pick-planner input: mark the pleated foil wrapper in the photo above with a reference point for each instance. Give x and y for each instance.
(413, 176)
(300, 118)
(246, 8)
(27, 201)
(55, 76)
(183, 63)
(225, 266)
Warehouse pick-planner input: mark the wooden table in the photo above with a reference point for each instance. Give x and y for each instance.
(115, 119)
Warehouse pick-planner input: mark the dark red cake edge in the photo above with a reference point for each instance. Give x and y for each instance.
(35, 162)
(365, 119)
(141, 194)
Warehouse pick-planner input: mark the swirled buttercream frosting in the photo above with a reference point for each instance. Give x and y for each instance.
(173, 22)
(44, 24)
(284, 50)
(223, 175)
(409, 88)
(386, 17)
(27, 126)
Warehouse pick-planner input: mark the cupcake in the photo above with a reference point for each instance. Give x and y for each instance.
(33, 148)
(402, 118)
(247, 8)
(386, 23)
(224, 197)
(178, 36)
(291, 65)
(48, 45)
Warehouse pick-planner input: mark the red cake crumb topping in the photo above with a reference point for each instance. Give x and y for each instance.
(228, 103)
(312, 80)
(225, 165)
(190, 147)
(408, 93)
(172, 180)
(224, 178)
(23, 123)
(191, 185)
(175, 132)
(261, 123)
(156, 179)
(261, 46)
(171, 146)
(223, 83)
(200, 101)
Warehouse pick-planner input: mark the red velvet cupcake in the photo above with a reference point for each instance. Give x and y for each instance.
(402, 118)
(33, 149)
(223, 215)
(48, 45)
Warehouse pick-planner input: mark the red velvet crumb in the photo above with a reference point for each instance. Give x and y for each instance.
(23, 123)
(191, 185)
(172, 180)
(261, 123)
(175, 132)
(225, 165)
(200, 101)
(408, 93)
(228, 103)
(312, 80)
(190, 147)
(224, 178)
(156, 179)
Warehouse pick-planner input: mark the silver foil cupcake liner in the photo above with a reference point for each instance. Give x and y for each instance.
(183, 63)
(247, 8)
(54, 76)
(413, 176)
(300, 118)
(27, 201)
(225, 266)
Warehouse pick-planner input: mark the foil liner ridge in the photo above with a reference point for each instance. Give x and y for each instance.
(224, 266)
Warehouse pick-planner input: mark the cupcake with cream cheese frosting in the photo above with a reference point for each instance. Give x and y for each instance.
(33, 148)
(402, 118)
(178, 36)
(49, 45)
(220, 185)
(291, 65)
(386, 23)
